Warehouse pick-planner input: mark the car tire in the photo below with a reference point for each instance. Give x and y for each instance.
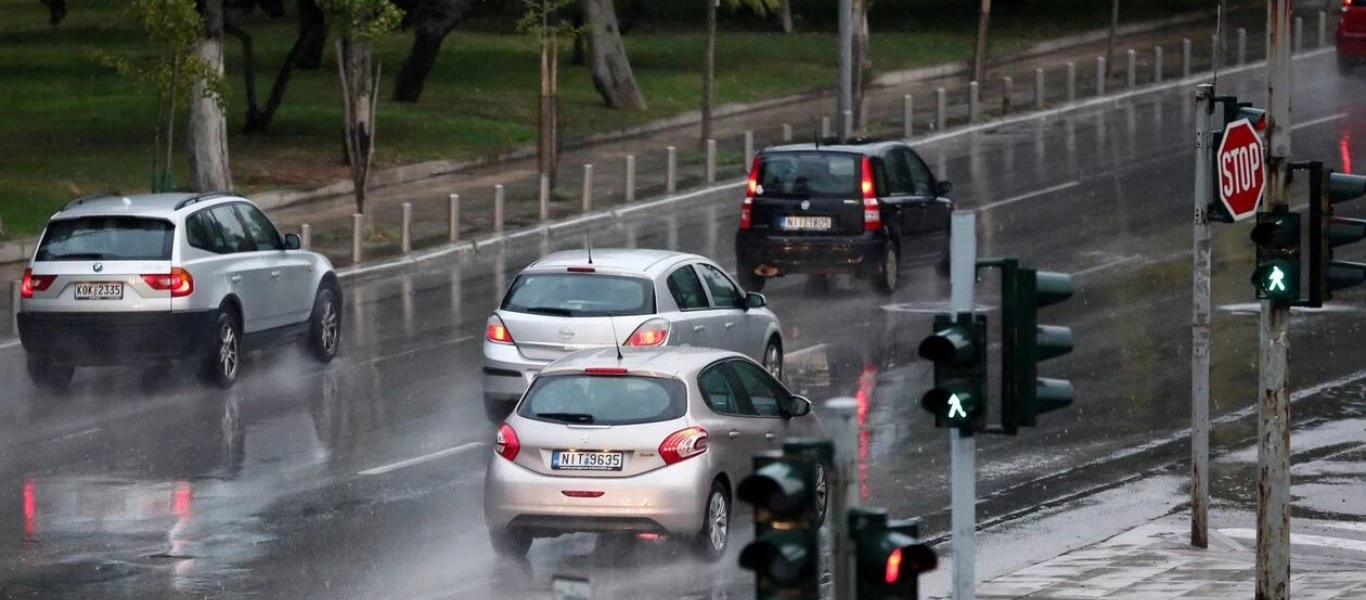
(750, 281)
(324, 325)
(510, 543)
(887, 274)
(773, 359)
(497, 410)
(49, 374)
(822, 494)
(711, 542)
(223, 358)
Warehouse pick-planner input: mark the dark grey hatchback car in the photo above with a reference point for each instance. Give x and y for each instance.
(866, 208)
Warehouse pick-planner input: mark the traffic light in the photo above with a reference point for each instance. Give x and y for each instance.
(1233, 111)
(958, 349)
(785, 553)
(1277, 236)
(1025, 343)
(1341, 231)
(888, 555)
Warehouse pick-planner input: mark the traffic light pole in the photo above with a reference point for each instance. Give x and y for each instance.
(1200, 318)
(963, 447)
(843, 493)
(1273, 423)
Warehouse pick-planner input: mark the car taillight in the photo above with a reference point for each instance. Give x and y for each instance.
(34, 283)
(179, 282)
(683, 444)
(650, 333)
(605, 371)
(1346, 4)
(872, 213)
(497, 332)
(506, 444)
(751, 189)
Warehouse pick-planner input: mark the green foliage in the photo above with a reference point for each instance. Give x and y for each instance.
(171, 68)
(532, 22)
(362, 20)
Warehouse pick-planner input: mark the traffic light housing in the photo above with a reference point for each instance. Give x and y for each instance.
(888, 555)
(1277, 274)
(1233, 111)
(785, 553)
(1327, 189)
(1025, 343)
(958, 349)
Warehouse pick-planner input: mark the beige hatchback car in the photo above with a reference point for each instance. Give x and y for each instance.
(653, 441)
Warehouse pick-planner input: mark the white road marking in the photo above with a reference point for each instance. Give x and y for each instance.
(9, 344)
(451, 592)
(929, 308)
(1256, 307)
(403, 464)
(1303, 539)
(1319, 121)
(808, 349)
(1342, 525)
(1102, 267)
(1034, 194)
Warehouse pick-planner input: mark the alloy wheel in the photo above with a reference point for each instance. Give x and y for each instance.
(719, 519)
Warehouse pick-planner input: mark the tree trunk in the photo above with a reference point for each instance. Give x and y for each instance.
(358, 75)
(412, 76)
(979, 57)
(208, 135)
(312, 34)
(1110, 46)
(580, 40)
(708, 71)
(312, 37)
(548, 144)
(862, 59)
(785, 16)
(611, 70)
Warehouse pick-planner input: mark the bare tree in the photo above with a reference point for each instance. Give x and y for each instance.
(611, 70)
(312, 33)
(862, 59)
(542, 19)
(208, 134)
(1110, 47)
(979, 56)
(760, 7)
(785, 16)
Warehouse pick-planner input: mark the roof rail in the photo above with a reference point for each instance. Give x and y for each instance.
(84, 199)
(199, 197)
(852, 141)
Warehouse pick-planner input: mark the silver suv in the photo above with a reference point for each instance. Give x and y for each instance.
(148, 279)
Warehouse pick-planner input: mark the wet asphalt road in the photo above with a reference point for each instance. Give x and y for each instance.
(301, 483)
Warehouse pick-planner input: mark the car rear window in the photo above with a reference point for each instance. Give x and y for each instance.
(107, 238)
(604, 399)
(580, 295)
(808, 175)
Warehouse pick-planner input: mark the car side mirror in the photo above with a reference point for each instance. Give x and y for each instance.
(755, 300)
(944, 188)
(798, 406)
(292, 241)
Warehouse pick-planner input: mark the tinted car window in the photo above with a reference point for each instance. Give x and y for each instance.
(808, 175)
(687, 289)
(235, 236)
(107, 238)
(202, 232)
(604, 400)
(717, 392)
(580, 295)
(723, 292)
(898, 174)
(764, 394)
(261, 230)
(921, 178)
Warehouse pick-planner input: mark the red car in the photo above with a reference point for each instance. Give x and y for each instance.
(1351, 35)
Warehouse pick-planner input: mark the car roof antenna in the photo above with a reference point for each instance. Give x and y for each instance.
(815, 137)
(588, 243)
(611, 320)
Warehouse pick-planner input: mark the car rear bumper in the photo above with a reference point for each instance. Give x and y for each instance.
(809, 254)
(507, 373)
(115, 338)
(667, 500)
(1351, 46)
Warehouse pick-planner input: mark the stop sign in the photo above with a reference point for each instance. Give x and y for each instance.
(1241, 170)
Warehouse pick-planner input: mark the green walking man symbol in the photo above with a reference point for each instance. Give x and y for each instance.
(956, 405)
(1277, 280)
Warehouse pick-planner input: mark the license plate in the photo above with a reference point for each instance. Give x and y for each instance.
(569, 460)
(99, 291)
(806, 223)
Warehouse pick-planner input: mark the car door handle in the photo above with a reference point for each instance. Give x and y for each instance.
(699, 328)
(730, 325)
(275, 274)
(769, 435)
(235, 278)
(734, 434)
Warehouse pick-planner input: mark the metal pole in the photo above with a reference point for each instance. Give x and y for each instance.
(1242, 46)
(711, 161)
(847, 127)
(907, 116)
(845, 100)
(1071, 81)
(587, 188)
(749, 149)
(1200, 321)
(1186, 57)
(1038, 89)
(972, 102)
(406, 229)
(1214, 53)
(1131, 77)
(357, 227)
(787, 132)
(630, 194)
(1273, 423)
(306, 236)
(1009, 88)
(15, 298)
(844, 432)
(941, 109)
(543, 199)
(963, 448)
(453, 214)
(1100, 75)
(1158, 67)
(498, 208)
(1323, 29)
(825, 127)
(671, 172)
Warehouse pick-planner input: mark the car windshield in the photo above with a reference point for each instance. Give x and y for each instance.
(107, 238)
(808, 175)
(604, 400)
(580, 295)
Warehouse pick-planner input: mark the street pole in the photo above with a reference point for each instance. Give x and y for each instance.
(1200, 320)
(979, 57)
(844, 486)
(962, 446)
(1273, 423)
(845, 102)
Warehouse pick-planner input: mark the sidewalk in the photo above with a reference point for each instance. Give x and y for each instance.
(1154, 562)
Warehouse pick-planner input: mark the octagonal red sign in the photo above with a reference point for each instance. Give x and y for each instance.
(1240, 169)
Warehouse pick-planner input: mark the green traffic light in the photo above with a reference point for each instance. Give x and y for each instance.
(956, 407)
(958, 350)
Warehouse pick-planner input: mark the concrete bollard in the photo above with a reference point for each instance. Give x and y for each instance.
(1038, 89)
(1158, 65)
(1100, 75)
(848, 124)
(972, 101)
(825, 127)
(405, 244)
(1186, 57)
(940, 109)
(305, 236)
(1299, 34)
(1008, 90)
(671, 172)
(630, 193)
(453, 216)
(498, 208)
(357, 233)
(1242, 46)
(711, 161)
(787, 132)
(1131, 74)
(544, 198)
(907, 117)
(587, 188)
(1071, 81)
(1323, 29)
(15, 297)
(749, 150)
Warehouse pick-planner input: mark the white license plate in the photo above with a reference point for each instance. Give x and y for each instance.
(99, 291)
(806, 223)
(569, 460)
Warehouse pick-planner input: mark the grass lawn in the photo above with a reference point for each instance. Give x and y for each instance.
(74, 127)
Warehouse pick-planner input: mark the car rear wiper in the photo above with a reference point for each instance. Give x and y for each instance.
(566, 417)
(550, 310)
(78, 256)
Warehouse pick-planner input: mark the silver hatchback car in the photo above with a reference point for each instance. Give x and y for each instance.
(148, 279)
(577, 300)
(653, 442)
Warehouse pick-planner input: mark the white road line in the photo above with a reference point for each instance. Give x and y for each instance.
(452, 592)
(1303, 539)
(1102, 267)
(403, 464)
(1034, 194)
(806, 350)
(1319, 121)
(9, 344)
(1342, 525)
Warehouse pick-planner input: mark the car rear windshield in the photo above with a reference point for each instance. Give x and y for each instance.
(107, 238)
(803, 175)
(580, 295)
(604, 399)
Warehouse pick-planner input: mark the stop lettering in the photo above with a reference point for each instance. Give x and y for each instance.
(1241, 170)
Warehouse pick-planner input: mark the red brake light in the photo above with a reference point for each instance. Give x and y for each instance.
(506, 444)
(872, 213)
(683, 444)
(581, 494)
(179, 282)
(650, 333)
(893, 567)
(497, 332)
(34, 283)
(582, 270)
(604, 371)
(751, 189)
